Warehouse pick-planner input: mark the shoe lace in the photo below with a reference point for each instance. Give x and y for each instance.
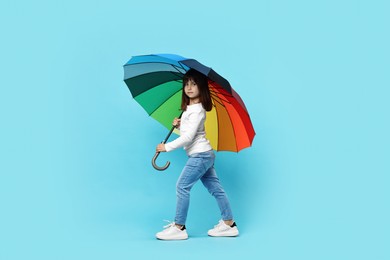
(221, 225)
(170, 224)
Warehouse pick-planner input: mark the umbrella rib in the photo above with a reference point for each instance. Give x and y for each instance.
(147, 62)
(234, 131)
(181, 66)
(216, 115)
(215, 99)
(216, 86)
(223, 99)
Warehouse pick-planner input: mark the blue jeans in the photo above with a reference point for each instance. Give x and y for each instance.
(200, 166)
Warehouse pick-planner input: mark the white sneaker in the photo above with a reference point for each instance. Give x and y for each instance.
(223, 230)
(172, 232)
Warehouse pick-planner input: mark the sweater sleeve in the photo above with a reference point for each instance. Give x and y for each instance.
(188, 131)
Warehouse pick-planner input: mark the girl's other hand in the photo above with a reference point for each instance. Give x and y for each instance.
(176, 122)
(160, 148)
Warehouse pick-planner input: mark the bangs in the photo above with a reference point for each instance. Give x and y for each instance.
(188, 78)
(194, 76)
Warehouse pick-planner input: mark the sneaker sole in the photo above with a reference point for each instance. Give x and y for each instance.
(172, 238)
(224, 234)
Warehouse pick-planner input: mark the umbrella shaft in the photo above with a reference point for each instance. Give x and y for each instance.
(170, 132)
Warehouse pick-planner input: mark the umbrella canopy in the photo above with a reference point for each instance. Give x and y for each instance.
(155, 82)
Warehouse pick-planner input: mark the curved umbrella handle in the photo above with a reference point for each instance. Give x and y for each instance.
(158, 167)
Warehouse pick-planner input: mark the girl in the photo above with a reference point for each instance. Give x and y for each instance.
(196, 100)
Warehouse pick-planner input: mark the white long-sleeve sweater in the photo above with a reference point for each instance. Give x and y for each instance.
(192, 132)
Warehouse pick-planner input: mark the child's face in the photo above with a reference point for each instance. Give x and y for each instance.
(191, 89)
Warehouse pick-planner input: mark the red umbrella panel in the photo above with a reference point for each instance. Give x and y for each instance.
(228, 125)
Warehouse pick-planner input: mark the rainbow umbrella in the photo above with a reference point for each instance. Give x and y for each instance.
(155, 82)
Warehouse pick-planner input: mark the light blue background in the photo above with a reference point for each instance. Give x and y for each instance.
(75, 149)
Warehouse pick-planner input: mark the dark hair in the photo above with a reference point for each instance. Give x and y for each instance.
(203, 86)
